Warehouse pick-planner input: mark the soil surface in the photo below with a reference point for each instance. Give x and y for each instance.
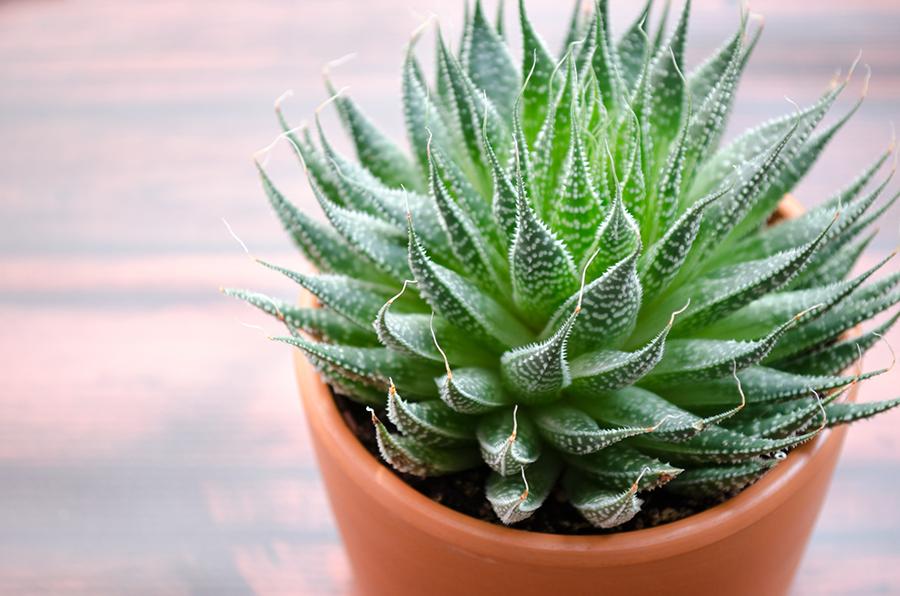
(464, 491)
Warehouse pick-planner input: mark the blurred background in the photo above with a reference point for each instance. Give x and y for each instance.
(151, 442)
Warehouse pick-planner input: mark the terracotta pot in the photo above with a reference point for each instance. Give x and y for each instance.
(400, 542)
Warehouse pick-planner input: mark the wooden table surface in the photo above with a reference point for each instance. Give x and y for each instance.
(152, 443)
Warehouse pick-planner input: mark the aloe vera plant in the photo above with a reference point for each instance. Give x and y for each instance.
(569, 281)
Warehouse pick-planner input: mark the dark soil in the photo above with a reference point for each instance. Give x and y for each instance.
(464, 491)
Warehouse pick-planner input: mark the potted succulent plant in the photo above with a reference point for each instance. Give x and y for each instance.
(570, 312)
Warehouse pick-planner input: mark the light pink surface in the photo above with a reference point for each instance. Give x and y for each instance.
(150, 442)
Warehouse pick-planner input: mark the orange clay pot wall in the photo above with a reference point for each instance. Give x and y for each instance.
(401, 543)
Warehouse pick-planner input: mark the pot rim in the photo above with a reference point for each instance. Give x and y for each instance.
(377, 482)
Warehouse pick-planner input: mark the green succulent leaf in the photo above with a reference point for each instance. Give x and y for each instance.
(537, 372)
(823, 267)
(760, 384)
(633, 406)
(322, 323)
(606, 370)
(726, 290)
(472, 390)
(457, 299)
(667, 85)
(578, 209)
(693, 360)
(751, 179)
(604, 60)
(793, 170)
(523, 164)
(584, 50)
(603, 507)
(493, 70)
(665, 204)
(658, 38)
(664, 259)
(414, 333)
(755, 141)
(553, 141)
(633, 46)
(376, 240)
(536, 58)
(423, 119)
(515, 498)
(466, 242)
(711, 88)
(370, 366)
(571, 430)
(617, 238)
(505, 194)
(831, 358)
(464, 191)
(468, 106)
(768, 311)
(509, 441)
(617, 465)
(428, 422)
(320, 243)
(861, 305)
(357, 300)
(777, 421)
(633, 187)
(719, 445)
(846, 412)
(312, 159)
(608, 308)
(835, 269)
(361, 393)
(375, 151)
(790, 234)
(701, 482)
(409, 456)
(501, 20)
(541, 268)
(370, 196)
(576, 27)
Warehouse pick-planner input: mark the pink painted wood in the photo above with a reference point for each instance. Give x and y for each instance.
(151, 442)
